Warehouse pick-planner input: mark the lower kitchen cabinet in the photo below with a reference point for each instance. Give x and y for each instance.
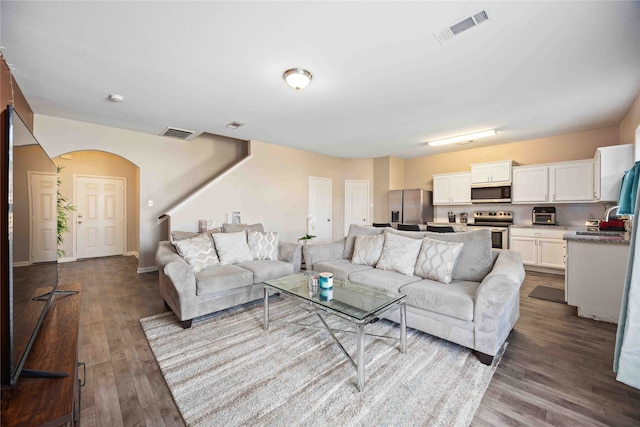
(540, 248)
(595, 278)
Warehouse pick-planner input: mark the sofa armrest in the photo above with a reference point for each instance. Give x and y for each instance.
(291, 253)
(177, 281)
(317, 252)
(497, 302)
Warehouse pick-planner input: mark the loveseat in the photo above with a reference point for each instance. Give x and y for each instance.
(457, 287)
(204, 273)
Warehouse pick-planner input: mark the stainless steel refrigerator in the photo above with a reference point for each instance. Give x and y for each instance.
(412, 206)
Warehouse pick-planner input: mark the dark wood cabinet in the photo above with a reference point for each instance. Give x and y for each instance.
(50, 401)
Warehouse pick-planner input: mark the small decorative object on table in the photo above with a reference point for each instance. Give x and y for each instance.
(202, 225)
(235, 218)
(326, 286)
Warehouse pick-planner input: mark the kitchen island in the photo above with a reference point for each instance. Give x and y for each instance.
(595, 272)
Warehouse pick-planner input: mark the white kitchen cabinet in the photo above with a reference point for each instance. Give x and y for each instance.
(539, 247)
(595, 276)
(562, 182)
(491, 172)
(571, 181)
(609, 166)
(452, 188)
(530, 184)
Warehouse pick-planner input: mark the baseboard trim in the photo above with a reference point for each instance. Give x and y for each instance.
(147, 269)
(67, 259)
(133, 253)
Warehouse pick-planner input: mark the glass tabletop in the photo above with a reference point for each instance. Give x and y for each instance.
(351, 299)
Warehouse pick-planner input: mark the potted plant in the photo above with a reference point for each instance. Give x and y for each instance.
(64, 206)
(311, 227)
(307, 238)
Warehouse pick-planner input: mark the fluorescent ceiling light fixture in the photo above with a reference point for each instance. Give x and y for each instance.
(461, 138)
(297, 78)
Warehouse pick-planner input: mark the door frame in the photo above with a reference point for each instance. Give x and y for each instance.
(368, 201)
(75, 212)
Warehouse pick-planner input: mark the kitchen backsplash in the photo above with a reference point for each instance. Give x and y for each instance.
(566, 214)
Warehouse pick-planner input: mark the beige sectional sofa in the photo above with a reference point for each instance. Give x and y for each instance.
(458, 288)
(204, 273)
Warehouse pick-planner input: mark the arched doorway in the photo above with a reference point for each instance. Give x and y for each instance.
(119, 175)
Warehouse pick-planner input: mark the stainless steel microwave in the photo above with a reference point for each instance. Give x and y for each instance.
(491, 194)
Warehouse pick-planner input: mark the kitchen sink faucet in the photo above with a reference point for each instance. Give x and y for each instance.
(606, 214)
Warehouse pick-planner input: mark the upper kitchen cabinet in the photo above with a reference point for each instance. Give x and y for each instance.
(530, 184)
(452, 188)
(609, 166)
(492, 172)
(563, 182)
(571, 181)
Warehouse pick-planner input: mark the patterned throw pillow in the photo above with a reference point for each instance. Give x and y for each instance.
(399, 254)
(263, 245)
(232, 247)
(367, 249)
(198, 252)
(437, 260)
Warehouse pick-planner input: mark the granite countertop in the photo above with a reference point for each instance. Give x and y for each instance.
(617, 238)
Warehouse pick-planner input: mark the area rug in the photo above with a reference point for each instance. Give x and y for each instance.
(548, 294)
(227, 371)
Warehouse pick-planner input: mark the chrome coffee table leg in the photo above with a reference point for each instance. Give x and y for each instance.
(360, 355)
(403, 328)
(265, 324)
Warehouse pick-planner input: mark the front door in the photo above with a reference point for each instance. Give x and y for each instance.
(356, 203)
(320, 208)
(99, 216)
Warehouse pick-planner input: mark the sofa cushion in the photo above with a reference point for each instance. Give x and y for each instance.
(263, 245)
(367, 249)
(234, 228)
(232, 247)
(197, 251)
(455, 299)
(267, 269)
(180, 235)
(382, 279)
(341, 268)
(222, 278)
(399, 254)
(358, 230)
(476, 257)
(437, 259)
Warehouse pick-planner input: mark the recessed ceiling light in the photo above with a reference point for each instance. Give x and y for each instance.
(114, 97)
(461, 138)
(235, 125)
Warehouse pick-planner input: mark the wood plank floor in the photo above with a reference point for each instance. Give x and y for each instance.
(556, 370)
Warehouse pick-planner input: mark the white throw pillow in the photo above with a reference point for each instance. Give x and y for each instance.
(367, 249)
(437, 260)
(198, 252)
(263, 245)
(232, 247)
(399, 254)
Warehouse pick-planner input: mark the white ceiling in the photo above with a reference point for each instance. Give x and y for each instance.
(382, 84)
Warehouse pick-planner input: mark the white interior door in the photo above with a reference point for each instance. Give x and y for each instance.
(320, 207)
(356, 203)
(43, 228)
(100, 228)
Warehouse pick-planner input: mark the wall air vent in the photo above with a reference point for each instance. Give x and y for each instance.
(462, 25)
(186, 135)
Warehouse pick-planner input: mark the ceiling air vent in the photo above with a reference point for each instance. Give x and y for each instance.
(183, 134)
(462, 25)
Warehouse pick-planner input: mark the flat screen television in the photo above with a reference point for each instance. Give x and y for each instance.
(28, 248)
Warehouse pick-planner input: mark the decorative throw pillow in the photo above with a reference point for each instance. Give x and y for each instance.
(437, 260)
(234, 228)
(232, 247)
(399, 254)
(358, 230)
(367, 249)
(198, 252)
(263, 245)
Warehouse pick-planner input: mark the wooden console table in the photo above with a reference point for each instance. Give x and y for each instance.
(50, 401)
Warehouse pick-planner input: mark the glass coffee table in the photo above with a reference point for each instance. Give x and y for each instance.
(359, 304)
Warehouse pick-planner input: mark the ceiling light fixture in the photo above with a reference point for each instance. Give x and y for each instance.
(297, 78)
(460, 138)
(114, 97)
